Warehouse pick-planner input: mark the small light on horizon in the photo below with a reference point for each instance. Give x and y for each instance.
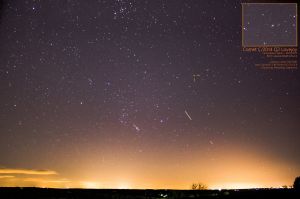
(90, 185)
(123, 186)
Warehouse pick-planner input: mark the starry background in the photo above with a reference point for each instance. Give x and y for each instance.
(141, 94)
(270, 24)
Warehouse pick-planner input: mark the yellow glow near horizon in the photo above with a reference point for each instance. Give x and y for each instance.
(91, 185)
(230, 169)
(123, 185)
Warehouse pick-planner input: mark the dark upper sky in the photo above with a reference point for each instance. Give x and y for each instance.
(128, 93)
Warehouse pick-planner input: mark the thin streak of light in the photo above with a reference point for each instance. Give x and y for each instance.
(188, 115)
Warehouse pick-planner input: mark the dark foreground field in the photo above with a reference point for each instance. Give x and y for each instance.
(44, 193)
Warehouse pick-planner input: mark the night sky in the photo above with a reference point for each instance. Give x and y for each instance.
(140, 94)
(270, 24)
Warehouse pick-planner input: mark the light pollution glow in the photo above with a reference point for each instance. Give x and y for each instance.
(236, 171)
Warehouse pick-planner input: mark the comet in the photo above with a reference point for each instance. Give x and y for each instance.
(136, 127)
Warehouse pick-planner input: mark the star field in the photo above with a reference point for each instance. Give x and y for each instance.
(270, 24)
(142, 92)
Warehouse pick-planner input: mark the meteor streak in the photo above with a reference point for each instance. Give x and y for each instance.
(188, 115)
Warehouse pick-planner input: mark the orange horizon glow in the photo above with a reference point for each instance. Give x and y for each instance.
(240, 170)
(97, 185)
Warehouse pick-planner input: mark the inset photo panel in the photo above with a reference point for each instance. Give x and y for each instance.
(269, 24)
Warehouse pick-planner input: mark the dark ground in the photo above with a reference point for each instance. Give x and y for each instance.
(44, 193)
